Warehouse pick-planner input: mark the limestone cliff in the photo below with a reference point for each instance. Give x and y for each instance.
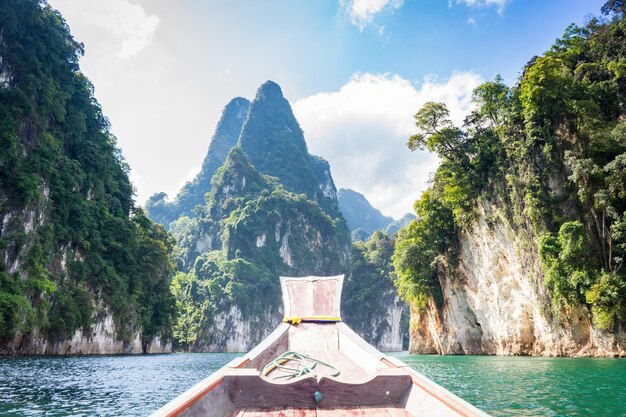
(495, 302)
(519, 243)
(370, 304)
(82, 269)
(102, 338)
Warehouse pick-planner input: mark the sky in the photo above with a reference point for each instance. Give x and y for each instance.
(354, 71)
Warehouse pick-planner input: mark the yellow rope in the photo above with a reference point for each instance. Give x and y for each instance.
(295, 320)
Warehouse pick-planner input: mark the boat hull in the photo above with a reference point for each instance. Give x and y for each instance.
(369, 382)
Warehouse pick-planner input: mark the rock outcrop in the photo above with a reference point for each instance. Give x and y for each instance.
(495, 303)
(101, 339)
(82, 269)
(192, 194)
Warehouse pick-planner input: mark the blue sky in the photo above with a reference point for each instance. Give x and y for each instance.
(355, 72)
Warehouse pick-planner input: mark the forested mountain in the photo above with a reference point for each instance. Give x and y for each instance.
(192, 193)
(360, 214)
(393, 227)
(370, 303)
(364, 219)
(270, 210)
(82, 269)
(519, 243)
(251, 231)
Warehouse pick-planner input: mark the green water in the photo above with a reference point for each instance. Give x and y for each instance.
(137, 385)
(523, 386)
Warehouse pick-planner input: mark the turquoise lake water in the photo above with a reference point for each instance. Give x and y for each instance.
(137, 385)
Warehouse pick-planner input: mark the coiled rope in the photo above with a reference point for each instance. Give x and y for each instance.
(304, 364)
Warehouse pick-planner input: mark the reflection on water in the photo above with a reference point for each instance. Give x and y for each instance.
(137, 385)
(523, 386)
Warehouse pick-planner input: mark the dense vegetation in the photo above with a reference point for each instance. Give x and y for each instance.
(250, 231)
(551, 153)
(72, 242)
(363, 219)
(274, 142)
(192, 194)
(269, 210)
(368, 289)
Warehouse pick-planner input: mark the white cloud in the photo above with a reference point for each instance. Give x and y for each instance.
(118, 24)
(499, 4)
(362, 130)
(362, 12)
(137, 180)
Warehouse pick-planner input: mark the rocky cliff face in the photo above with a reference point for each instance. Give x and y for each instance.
(370, 304)
(231, 331)
(101, 339)
(495, 302)
(387, 329)
(82, 269)
(519, 243)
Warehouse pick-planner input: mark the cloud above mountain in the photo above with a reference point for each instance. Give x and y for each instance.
(362, 130)
(362, 12)
(119, 25)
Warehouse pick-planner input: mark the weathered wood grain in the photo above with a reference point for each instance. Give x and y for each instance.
(278, 412)
(253, 391)
(384, 412)
(311, 296)
(340, 412)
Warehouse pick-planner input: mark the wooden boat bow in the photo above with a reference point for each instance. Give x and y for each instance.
(369, 383)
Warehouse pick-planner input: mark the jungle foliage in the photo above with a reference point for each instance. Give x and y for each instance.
(551, 150)
(368, 288)
(76, 243)
(250, 231)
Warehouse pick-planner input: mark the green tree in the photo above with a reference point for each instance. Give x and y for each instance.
(438, 133)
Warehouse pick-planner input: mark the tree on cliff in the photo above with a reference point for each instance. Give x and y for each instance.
(550, 152)
(73, 245)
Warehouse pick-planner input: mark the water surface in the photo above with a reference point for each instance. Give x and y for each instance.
(530, 386)
(137, 385)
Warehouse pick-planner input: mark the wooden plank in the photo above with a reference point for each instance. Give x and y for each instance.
(213, 403)
(433, 397)
(350, 371)
(398, 412)
(326, 412)
(358, 349)
(279, 412)
(384, 412)
(326, 298)
(381, 390)
(340, 412)
(310, 296)
(305, 336)
(189, 398)
(254, 391)
(272, 346)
